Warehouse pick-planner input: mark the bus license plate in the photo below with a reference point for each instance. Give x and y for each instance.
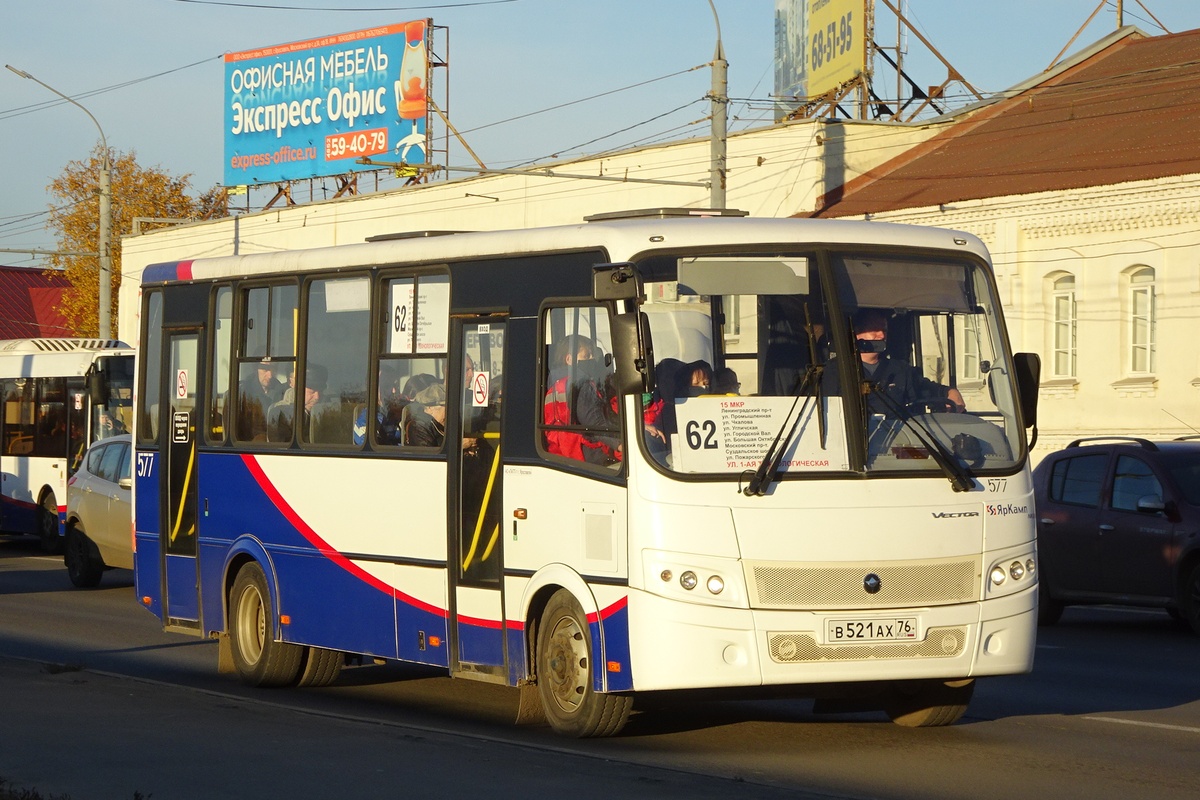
(894, 629)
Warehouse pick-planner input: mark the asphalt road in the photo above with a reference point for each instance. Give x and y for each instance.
(98, 702)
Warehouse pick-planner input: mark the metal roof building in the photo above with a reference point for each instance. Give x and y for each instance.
(29, 301)
(1084, 182)
(1125, 109)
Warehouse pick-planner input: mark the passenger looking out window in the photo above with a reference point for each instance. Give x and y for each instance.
(578, 407)
(426, 425)
(257, 392)
(281, 417)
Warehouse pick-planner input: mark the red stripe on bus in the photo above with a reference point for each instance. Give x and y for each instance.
(605, 613)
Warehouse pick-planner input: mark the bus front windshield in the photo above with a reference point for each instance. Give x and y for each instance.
(828, 361)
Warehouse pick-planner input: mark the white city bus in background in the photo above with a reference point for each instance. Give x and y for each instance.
(59, 396)
(493, 459)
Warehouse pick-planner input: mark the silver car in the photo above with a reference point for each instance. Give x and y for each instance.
(99, 513)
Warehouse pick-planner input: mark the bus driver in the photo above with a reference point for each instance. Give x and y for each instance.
(900, 382)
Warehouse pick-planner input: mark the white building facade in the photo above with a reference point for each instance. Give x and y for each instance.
(1104, 284)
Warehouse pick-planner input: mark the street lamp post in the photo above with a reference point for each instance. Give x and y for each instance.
(720, 102)
(104, 249)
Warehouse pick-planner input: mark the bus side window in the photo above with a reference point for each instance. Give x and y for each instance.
(267, 356)
(219, 363)
(581, 412)
(18, 416)
(337, 345)
(151, 358)
(412, 342)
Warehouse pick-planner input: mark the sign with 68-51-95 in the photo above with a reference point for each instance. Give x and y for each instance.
(835, 43)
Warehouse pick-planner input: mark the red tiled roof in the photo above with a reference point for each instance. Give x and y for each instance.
(1130, 111)
(28, 299)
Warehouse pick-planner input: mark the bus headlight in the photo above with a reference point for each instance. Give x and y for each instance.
(1009, 574)
(695, 579)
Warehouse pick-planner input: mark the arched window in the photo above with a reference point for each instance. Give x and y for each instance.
(1142, 321)
(1064, 326)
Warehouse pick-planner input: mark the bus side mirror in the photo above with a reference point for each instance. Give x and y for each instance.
(633, 353)
(615, 282)
(97, 387)
(1028, 372)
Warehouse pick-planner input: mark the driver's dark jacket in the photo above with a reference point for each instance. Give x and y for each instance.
(902, 383)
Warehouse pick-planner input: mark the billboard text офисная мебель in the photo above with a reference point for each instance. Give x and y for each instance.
(313, 108)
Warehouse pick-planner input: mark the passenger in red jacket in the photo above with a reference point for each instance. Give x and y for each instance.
(578, 406)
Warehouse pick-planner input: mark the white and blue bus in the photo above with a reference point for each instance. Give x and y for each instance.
(59, 396)
(627, 456)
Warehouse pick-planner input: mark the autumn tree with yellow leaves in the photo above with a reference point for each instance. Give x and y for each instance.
(136, 192)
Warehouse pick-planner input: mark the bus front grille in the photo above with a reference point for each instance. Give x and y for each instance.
(789, 648)
(842, 586)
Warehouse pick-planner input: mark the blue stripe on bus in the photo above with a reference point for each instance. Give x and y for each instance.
(614, 622)
(168, 271)
(480, 642)
(379, 620)
(19, 516)
(383, 622)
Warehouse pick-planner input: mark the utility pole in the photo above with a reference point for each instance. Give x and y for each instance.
(719, 99)
(105, 233)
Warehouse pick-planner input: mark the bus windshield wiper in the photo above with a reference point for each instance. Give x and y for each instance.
(960, 478)
(761, 481)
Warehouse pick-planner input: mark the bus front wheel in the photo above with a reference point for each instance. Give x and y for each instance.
(929, 704)
(259, 659)
(564, 675)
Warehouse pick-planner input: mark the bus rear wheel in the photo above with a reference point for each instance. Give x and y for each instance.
(321, 666)
(564, 675)
(258, 658)
(929, 704)
(47, 523)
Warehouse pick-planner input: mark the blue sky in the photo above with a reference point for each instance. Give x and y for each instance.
(508, 58)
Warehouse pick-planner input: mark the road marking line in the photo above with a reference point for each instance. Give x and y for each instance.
(1184, 728)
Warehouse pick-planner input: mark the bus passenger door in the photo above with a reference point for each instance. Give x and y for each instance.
(477, 627)
(181, 584)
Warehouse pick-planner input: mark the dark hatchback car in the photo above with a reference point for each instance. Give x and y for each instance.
(1119, 522)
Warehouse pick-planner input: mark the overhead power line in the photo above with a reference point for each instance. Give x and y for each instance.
(625, 129)
(583, 99)
(277, 7)
(17, 112)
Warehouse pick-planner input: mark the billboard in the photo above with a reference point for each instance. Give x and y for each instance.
(790, 55)
(313, 108)
(835, 42)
